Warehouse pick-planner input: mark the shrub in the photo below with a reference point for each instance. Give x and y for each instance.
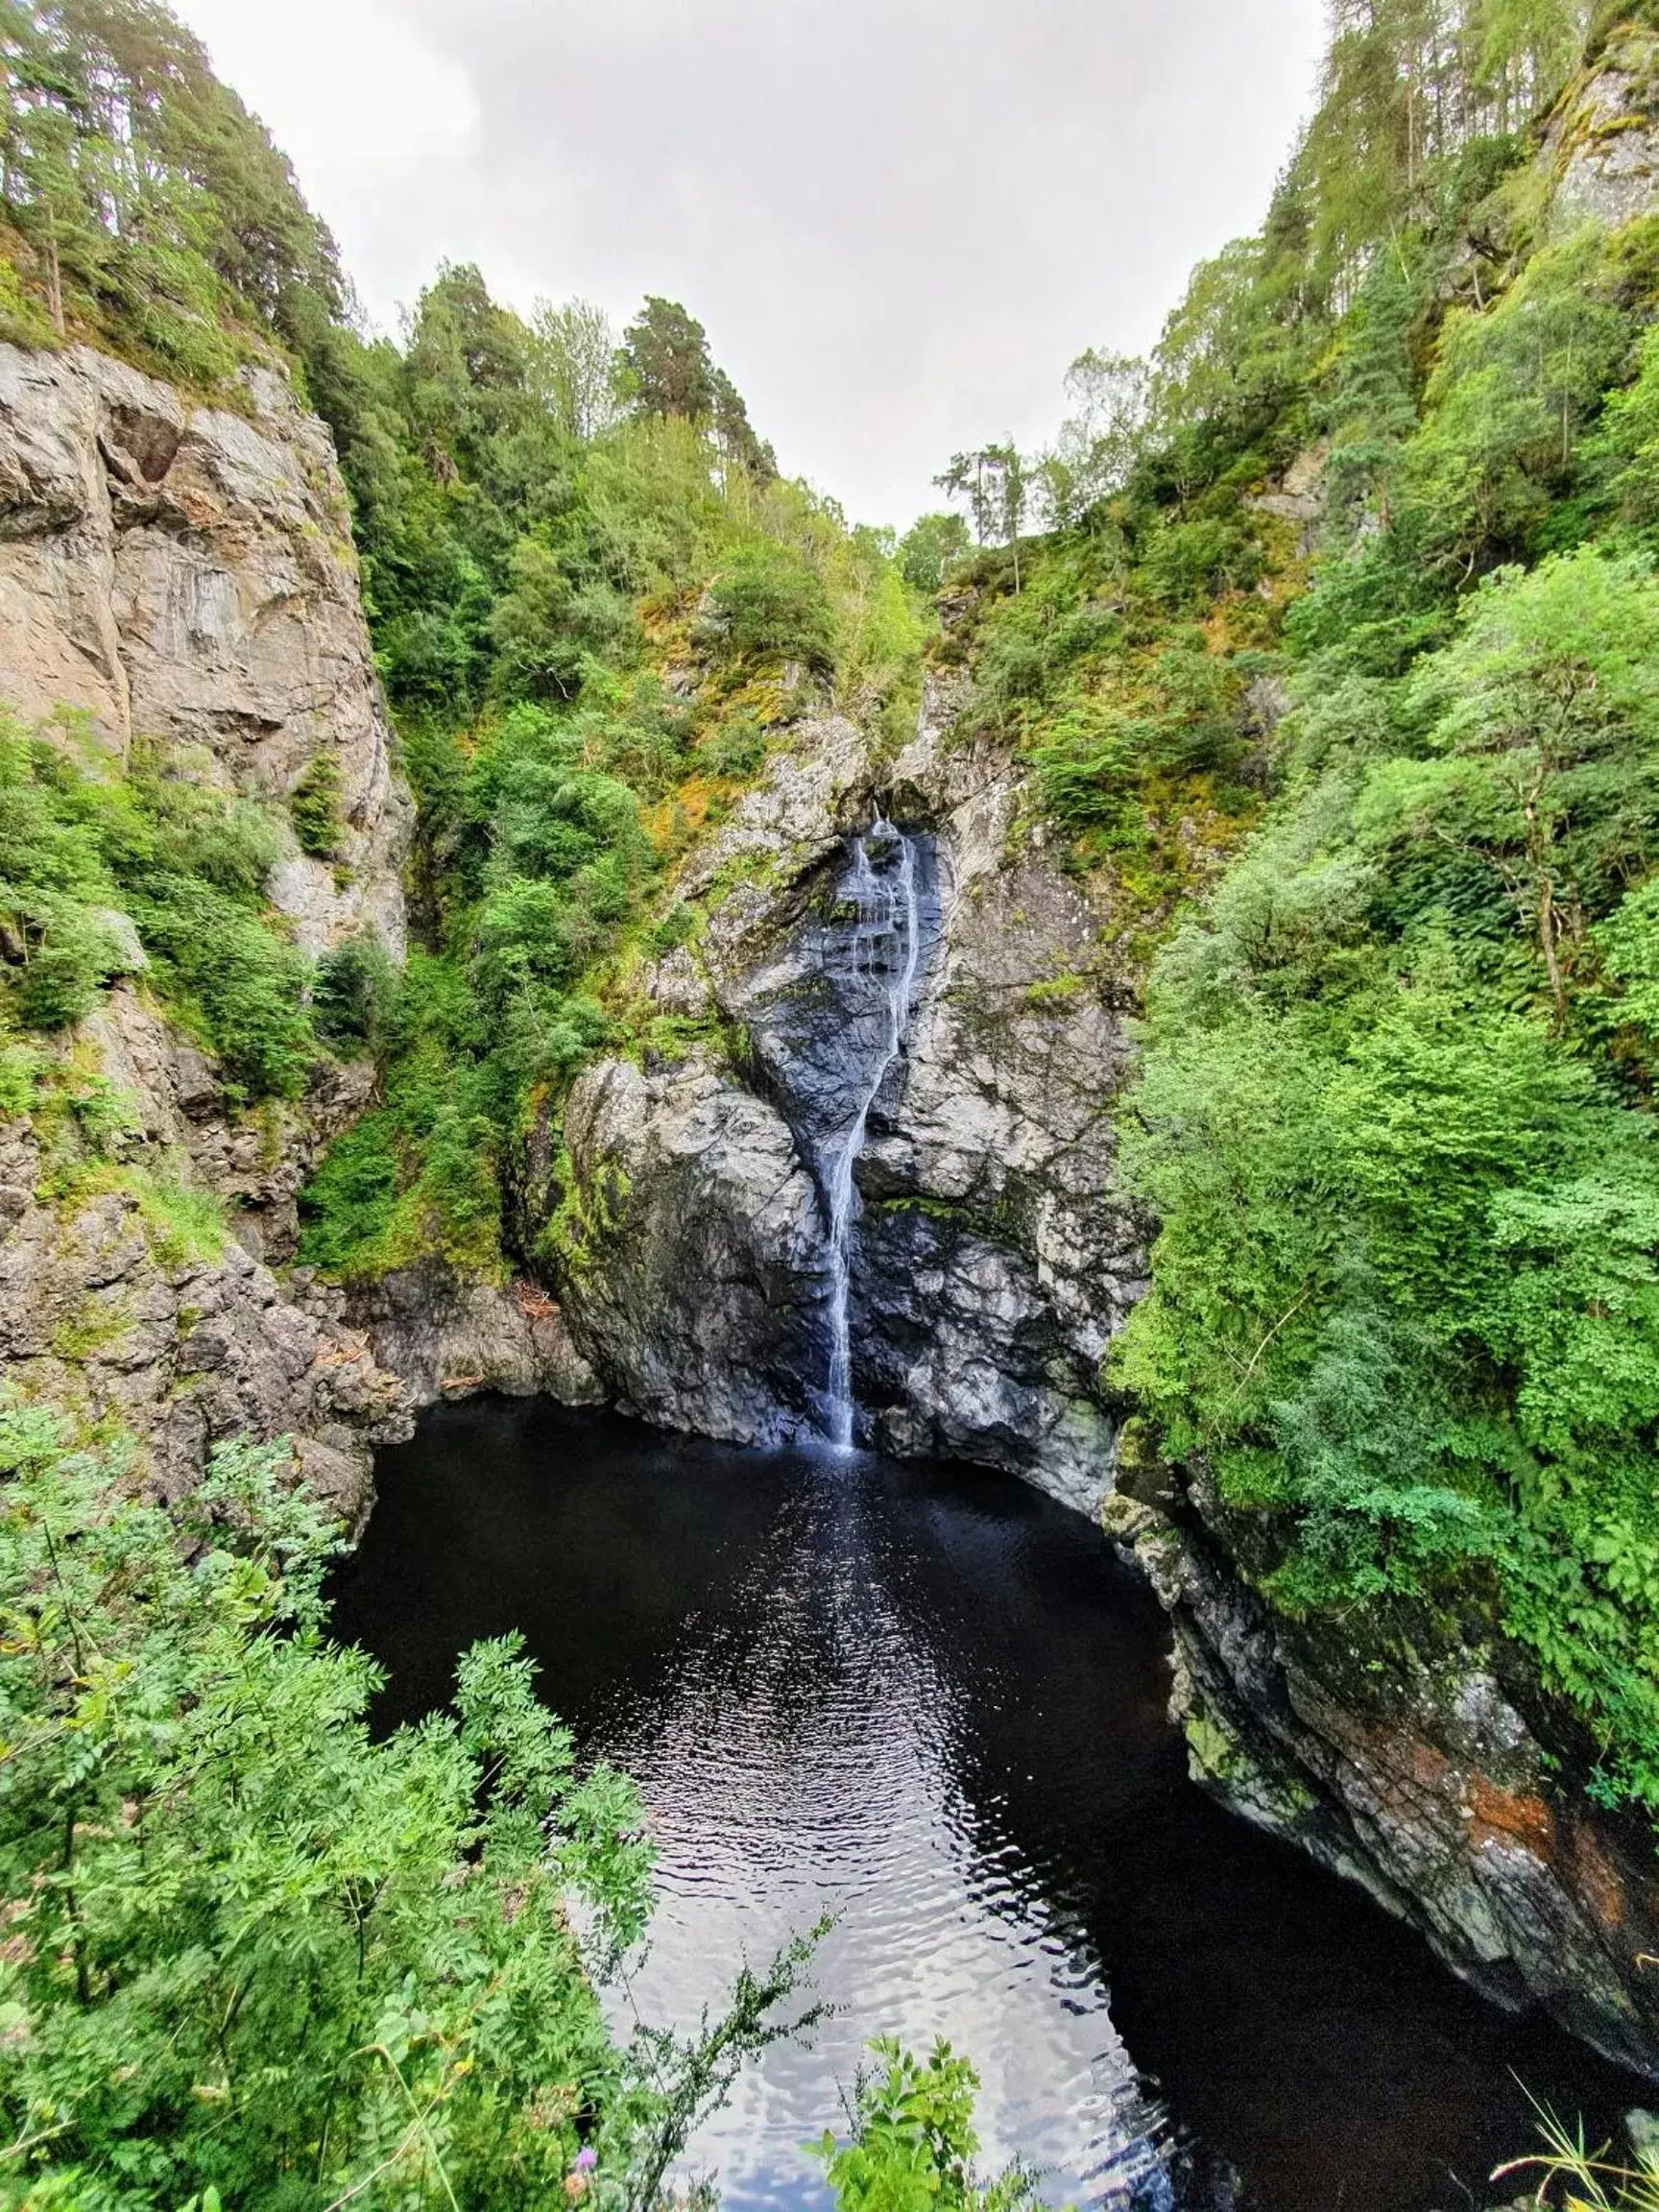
(354, 996)
(257, 1951)
(912, 2146)
(314, 805)
(770, 604)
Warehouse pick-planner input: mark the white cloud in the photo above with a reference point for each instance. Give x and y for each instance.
(899, 219)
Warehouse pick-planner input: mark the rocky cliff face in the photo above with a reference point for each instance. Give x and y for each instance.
(994, 1258)
(1423, 1768)
(1000, 1256)
(990, 1256)
(1600, 158)
(175, 572)
(185, 573)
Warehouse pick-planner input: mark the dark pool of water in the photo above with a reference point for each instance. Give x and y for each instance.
(932, 1704)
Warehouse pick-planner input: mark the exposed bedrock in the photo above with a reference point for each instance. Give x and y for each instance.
(991, 1258)
(448, 1337)
(1422, 1761)
(120, 1303)
(184, 573)
(693, 1251)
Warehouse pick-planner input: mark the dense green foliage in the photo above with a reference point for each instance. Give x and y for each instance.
(1338, 670)
(104, 874)
(257, 1956)
(912, 2144)
(138, 199)
(595, 620)
(596, 604)
(1396, 1115)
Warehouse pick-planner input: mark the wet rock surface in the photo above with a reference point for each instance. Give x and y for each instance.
(990, 1256)
(998, 1257)
(693, 1265)
(1412, 1768)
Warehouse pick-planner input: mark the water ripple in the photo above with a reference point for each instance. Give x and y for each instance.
(930, 1704)
(797, 1758)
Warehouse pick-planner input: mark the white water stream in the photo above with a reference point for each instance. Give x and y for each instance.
(886, 948)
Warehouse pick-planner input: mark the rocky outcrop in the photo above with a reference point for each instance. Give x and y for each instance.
(446, 1336)
(167, 1094)
(998, 1257)
(1601, 146)
(1426, 1778)
(121, 1302)
(992, 1259)
(692, 1255)
(185, 573)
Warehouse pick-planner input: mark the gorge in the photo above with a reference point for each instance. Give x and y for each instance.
(966, 1086)
(930, 1702)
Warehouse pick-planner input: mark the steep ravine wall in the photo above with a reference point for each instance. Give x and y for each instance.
(992, 1258)
(180, 573)
(1425, 1770)
(184, 574)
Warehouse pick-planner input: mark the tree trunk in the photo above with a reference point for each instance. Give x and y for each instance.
(1548, 943)
(55, 286)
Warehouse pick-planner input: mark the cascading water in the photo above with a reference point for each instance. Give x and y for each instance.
(885, 947)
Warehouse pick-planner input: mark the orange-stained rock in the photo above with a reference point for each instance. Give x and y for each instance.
(1505, 1816)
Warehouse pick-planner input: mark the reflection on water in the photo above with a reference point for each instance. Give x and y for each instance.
(799, 1755)
(931, 1704)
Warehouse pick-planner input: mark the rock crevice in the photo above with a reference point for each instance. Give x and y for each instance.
(991, 1255)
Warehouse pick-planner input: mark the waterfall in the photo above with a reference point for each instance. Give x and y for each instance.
(885, 950)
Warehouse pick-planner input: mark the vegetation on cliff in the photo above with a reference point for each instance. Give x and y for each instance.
(1337, 667)
(597, 608)
(147, 872)
(594, 601)
(1357, 639)
(140, 205)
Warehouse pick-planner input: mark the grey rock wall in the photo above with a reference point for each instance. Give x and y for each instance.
(111, 1314)
(693, 1261)
(181, 572)
(184, 573)
(1418, 1770)
(998, 1257)
(992, 1257)
(446, 1337)
(1600, 156)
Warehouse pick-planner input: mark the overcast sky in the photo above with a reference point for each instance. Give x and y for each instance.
(898, 219)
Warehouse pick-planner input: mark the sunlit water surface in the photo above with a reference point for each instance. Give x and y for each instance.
(932, 1705)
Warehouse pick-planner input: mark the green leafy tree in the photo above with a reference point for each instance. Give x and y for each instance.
(912, 2146)
(665, 364)
(151, 201)
(1510, 395)
(573, 366)
(929, 547)
(1100, 441)
(1545, 715)
(255, 1950)
(994, 484)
